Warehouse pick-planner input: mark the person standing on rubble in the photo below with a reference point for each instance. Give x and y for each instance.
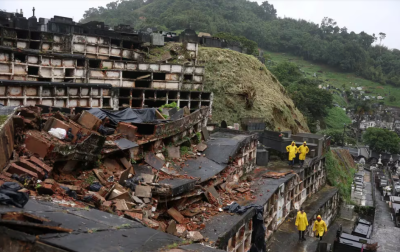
(319, 227)
(303, 150)
(292, 150)
(301, 223)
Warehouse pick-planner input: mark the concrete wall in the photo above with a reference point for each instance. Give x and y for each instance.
(6, 141)
(28, 66)
(295, 191)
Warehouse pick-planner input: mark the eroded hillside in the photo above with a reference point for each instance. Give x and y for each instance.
(243, 87)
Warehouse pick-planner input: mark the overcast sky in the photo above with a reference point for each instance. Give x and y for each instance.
(371, 16)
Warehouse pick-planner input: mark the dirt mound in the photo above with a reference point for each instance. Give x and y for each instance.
(243, 87)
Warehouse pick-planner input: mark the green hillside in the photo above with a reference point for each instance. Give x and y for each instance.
(326, 43)
(338, 79)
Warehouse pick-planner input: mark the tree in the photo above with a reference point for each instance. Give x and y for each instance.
(286, 72)
(360, 110)
(269, 11)
(324, 43)
(382, 36)
(382, 140)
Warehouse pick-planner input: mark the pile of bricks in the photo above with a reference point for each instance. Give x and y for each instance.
(89, 170)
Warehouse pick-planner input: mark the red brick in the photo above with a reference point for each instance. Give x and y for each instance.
(134, 215)
(128, 130)
(40, 163)
(176, 215)
(151, 223)
(16, 169)
(89, 121)
(37, 145)
(33, 168)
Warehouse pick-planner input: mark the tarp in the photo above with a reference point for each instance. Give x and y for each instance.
(9, 194)
(127, 115)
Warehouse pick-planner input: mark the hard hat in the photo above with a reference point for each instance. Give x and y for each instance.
(319, 217)
(305, 142)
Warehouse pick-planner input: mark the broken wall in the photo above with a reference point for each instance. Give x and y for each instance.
(6, 141)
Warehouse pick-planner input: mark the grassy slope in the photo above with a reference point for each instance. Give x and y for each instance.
(230, 74)
(340, 171)
(336, 118)
(338, 79)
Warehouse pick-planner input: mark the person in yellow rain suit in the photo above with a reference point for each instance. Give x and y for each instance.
(301, 223)
(303, 150)
(292, 149)
(319, 227)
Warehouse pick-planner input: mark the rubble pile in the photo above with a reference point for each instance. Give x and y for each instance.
(79, 160)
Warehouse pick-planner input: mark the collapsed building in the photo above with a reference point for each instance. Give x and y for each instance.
(64, 64)
(86, 123)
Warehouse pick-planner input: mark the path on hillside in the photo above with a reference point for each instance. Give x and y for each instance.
(385, 232)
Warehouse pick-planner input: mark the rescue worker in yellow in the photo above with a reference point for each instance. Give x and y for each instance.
(319, 227)
(292, 150)
(303, 150)
(301, 223)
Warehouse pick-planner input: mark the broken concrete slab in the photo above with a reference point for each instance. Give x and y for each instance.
(176, 116)
(89, 121)
(121, 205)
(143, 191)
(174, 152)
(186, 111)
(127, 130)
(125, 144)
(117, 194)
(176, 215)
(137, 200)
(171, 229)
(194, 236)
(126, 175)
(201, 147)
(99, 174)
(160, 156)
(181, 230)
(112, 165)
(205, 133)
(147, 178)
(154, 161)
(172, 111)
(125, 163)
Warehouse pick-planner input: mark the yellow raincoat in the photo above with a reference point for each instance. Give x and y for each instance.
(303, 150)
(320, 227)
(292, 149)
(301, 221)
